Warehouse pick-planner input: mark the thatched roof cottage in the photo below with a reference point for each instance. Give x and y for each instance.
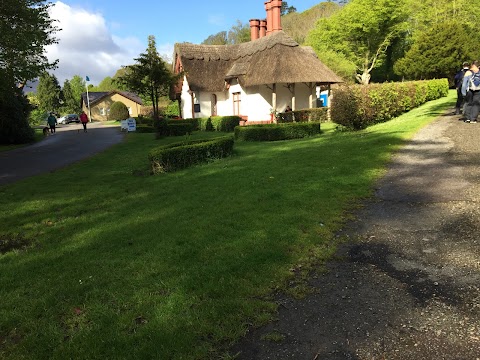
(252, 79)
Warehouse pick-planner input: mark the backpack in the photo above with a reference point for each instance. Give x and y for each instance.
(458, 79)
(475, 82)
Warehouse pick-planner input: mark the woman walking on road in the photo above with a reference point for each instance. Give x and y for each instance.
(84, 120)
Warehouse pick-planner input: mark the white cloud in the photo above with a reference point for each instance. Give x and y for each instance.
(86, 47)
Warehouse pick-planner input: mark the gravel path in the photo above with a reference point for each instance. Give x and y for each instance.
(408, 284)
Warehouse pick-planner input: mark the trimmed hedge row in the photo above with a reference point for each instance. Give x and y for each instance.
(306, 115)
(182, 155)
(274, 132)
(359, 106)
(218, 123)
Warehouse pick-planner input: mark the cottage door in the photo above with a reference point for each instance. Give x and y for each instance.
(213, 101)
(236, 103)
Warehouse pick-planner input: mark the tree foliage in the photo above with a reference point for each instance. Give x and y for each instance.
(238, 33)
(437, 52)
(298, 25)
(49, 93)
(70, 103)
(361, 32)
(287, 9)
(25, 30)
(149, 76)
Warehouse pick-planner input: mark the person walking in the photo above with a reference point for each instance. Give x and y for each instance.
(52, 121)
(458, 80)
(84, 120)
(471, 92)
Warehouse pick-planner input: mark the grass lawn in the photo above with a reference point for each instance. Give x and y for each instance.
(118, 265)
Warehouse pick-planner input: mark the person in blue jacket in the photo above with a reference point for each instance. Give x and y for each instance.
(458, 80)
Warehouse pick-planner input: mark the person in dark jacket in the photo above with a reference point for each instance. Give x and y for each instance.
(52, 121)
(472, 96)
(458, 80)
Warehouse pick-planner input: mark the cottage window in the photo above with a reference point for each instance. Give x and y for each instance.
(236, 103)
(102, 111)
(129, 111)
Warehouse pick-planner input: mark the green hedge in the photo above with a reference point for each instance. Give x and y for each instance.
(193, 123)
(179, 129)
(145, 128)
(313, 115)
(359, 106)
(144, 120)
(274, 132)
(219, 123)
(182, 155)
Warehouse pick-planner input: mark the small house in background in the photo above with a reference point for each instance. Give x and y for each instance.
(252, 80)
(100, 103)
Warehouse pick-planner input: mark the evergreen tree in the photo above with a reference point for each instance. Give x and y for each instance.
(149, 76)
(70, 104)
(49, 93)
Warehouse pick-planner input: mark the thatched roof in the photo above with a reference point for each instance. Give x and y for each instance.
(275, 58)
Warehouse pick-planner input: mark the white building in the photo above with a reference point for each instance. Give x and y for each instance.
(253, 79)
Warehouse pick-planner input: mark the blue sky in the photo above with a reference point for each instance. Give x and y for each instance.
(98, 37)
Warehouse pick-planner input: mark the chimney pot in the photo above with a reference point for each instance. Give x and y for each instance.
(254, 29)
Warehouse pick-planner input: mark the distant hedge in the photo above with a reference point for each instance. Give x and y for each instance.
(274, 132)
(314, 115)
(359, 106)
(182, 155)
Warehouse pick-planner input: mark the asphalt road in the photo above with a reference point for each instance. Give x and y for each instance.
(68, 145)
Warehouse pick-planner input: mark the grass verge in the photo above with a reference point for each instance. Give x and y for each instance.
(117, 264)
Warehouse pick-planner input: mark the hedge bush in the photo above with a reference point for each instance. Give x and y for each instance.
(141, 128)
(118, 111)
(179, 129)
(219, 123)
(182, 155)
(314, 115)
(359, 106)
(274, 132)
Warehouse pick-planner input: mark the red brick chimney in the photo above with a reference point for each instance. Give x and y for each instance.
(254, 29)
(268, 8)
(276, 9)
(274, 12)
(263, 28)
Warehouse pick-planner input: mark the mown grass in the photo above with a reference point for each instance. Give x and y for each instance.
(123, 265)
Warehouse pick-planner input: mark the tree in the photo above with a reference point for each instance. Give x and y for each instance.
(77, 83)
(361, 32)
(438, 52)
(149, 76)
(287, 9)
(25, 29)
(49, 93)
(239, 33)
(70, 104)
(107, 84)
(219, 38)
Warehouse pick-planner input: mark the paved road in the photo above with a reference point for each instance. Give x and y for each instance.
(68, 145)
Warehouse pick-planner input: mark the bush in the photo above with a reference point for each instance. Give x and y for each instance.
(179, 129)
(359, 106)
(144, 120)
(182, 155)
(194, 123)
(274, 132)
(219, 123)
(118, 111)
(145, 128)
(315, 115)
(161, 127)
(14, 125)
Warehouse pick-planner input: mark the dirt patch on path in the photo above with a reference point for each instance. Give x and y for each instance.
(407, 286)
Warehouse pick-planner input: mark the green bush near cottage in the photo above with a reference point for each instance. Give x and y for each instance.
(275, 132)
(304, 115)
(118, 111)
(357, 107)
(185, 154)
